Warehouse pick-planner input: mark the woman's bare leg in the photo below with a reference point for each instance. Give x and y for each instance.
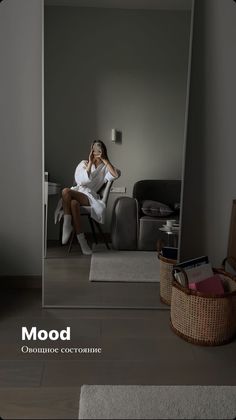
(68, 195)
(70, 210)
(66, 199)
(75, 210)
(72, 200)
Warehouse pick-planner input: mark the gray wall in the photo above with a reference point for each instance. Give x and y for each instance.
(121, 69)
(21, 137)
(210, 175)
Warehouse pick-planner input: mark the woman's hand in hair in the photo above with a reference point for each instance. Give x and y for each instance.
(104, 158)
(90, 161)
(113, 171)
(91, 156)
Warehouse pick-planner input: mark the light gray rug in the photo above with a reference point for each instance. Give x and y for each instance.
(123, 266)
(157, 402)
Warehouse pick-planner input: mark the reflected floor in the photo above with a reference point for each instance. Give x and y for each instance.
(67, 284)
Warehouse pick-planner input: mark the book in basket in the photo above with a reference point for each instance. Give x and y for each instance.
(200, 276)
(196, 269)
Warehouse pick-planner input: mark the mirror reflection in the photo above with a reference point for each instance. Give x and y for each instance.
(115, 106)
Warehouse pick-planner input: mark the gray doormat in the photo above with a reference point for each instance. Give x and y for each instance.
(157, 402)
(123, 266)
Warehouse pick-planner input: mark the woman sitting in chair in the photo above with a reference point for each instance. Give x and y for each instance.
(90, 176)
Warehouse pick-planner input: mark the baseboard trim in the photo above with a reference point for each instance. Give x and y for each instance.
(20, 282)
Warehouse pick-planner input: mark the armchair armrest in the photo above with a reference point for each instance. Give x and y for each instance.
(124, 224)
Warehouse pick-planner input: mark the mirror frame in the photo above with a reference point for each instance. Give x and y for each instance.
(182, 174)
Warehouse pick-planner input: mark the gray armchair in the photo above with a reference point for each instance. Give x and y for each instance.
(131, 228)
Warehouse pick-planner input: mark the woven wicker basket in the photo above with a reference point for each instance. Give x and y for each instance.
(166, 268)
(208, 320)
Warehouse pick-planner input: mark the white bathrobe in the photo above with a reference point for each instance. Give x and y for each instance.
(90, 184)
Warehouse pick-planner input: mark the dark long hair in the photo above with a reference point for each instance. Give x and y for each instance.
(103, 147)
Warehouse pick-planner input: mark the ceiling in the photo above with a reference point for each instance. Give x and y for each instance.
(125, 4)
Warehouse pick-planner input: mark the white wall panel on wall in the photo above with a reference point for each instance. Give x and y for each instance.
(21, 137)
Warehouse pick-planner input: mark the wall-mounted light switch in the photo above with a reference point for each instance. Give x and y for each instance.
(118, 189)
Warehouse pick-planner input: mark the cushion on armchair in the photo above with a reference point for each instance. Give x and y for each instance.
(156, 209)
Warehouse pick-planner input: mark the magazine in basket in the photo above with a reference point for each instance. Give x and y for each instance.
(199, 275)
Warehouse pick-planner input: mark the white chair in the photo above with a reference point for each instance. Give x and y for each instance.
(86, 211)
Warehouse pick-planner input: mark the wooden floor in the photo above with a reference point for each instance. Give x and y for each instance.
(66, 283)
(138, 347)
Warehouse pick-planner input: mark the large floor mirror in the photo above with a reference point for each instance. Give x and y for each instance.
(115, 71)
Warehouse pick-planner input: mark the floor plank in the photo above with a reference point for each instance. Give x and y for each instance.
(121, 372)
(39, 403)
(21, 373)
